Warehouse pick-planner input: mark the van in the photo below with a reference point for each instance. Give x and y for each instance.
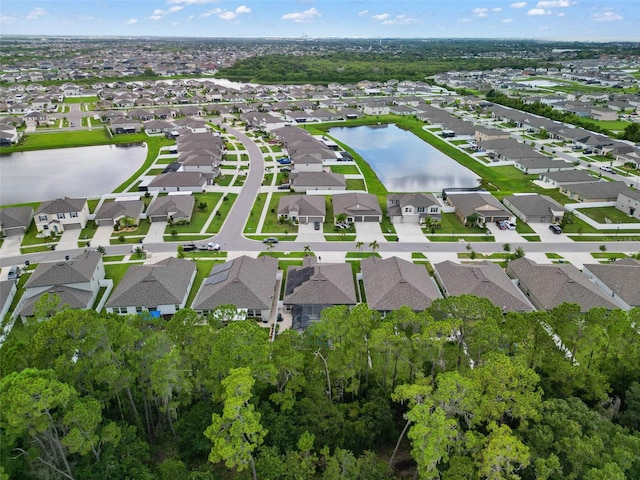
(14, 273)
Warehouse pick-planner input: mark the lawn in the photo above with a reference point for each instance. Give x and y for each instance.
(203, 268)
(607, 215)
(349, 169)
(142, 230)
(91, 99)
(271, 224)
(221, 214)
(116, 271)
(198, 217)
(254, 215)
(31, 238)
(450, 223)
(355, 184)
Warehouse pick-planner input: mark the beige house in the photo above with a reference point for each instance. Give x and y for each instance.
(54, 216)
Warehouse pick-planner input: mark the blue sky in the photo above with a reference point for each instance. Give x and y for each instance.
(599, 20)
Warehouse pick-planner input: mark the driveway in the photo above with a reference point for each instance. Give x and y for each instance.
(69, 240)
(156, 233)
(368, 232)
(306, 233)
(547, 236)
(11, 246)
(409, 232)
(102, 236)
(504, 236)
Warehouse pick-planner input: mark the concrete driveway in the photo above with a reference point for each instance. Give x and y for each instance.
(156, 233)
(547, 236)
(11, 246)
(307, 233)
(69, 240)
(504, 236)
(368, 232)
(102, 236)
(409, 232)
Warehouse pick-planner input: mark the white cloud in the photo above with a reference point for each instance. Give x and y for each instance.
(302, 17)
(7, 20)
(382, 17)
(507, 20)
(480, 12)
(227, 14)
(519, 5)
(35, 13)
(131, 21)
(243, 9)
(192, 2)
(497, 9)
(158, 13)
(363, 13)
(535, 12)
(400, 19)
(606, 17)
(553, 4)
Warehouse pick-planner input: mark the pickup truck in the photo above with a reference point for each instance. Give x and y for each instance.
(214, 247)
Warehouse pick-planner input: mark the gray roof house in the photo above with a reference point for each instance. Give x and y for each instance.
(161, 288)
(75, 281)
(358, 207)
(177, 182)
(488, 208)
(248, 283)
(548, 286)
(392, 283)
(8, 290)
(628, 201)
(15, 220)
(482, 279)
(311, 288)
(566, 176)
(413, 207)
(535, 208)
(594, 191)
(110, 213)
(620, 280)
(302, 208)
(306, 181)
(171, 208)
(62, 213)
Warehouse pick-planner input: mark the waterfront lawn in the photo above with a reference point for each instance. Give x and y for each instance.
(602, 214)
(349, 169)
(198, 217)
(355, 184)
(221, 214)
(450, 223)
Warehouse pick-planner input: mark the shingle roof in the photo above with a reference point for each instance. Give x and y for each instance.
(598, 189)
(391, 283)
(552, 285)
(79, 269)
(177, 205)
(163, 283)
(570, 176)
(178, 179)
(69, 298)
(318, 179)
(14, 217)
(534, 204)
(62, 205)
(622, 277)
(356, 204)
(320, 284)
(128, 208)
(482, 279)
(468, 203)
(306, 205)
(244, 282)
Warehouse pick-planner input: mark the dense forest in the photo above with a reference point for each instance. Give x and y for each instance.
(460, 391)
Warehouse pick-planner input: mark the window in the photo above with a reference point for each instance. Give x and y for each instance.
(61, 215)
(407, 209)
(420, 209)
(42, 218)
(433, 210)
(138, 309)
(177, 307)
(73, 214)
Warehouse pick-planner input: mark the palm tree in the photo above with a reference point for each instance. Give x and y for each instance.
(307, 250)
(270, 246)
(359, 246)
(374, 245)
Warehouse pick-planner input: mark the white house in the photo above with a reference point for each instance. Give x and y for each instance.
(54, 216)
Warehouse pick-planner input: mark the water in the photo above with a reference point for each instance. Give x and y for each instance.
(404, 162)
(67, 172)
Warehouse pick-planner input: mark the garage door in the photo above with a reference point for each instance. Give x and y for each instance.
(73, 226)
(158, 218)
(357, 219)
(371, 219)
(315, 219)
(104, 222)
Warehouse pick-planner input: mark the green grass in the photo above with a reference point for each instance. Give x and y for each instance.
(340, 238)
(203, 268)
(198, 217)
(225, 179)
(418, 255)
(522, 227)
(554, 256)
(286, 255)
(355, 184)
(30, 237)
(450, 223)
(112, 258)
(531, 238)
(184, 238)
(116, 271)
(362, 254)
(609, 255)
(254, 217)
(625, 237)
(91, 99)
(143, 229)
(69, 139)
(206, 254)
(602, 214)
(225, 206)
(345, 169)
(271, 224)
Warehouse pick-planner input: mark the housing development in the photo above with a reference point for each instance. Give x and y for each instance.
(255, 204)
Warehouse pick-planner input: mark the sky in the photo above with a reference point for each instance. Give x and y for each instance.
(579, 20)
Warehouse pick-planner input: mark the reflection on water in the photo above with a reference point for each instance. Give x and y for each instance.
(402, 161)
(67, 172)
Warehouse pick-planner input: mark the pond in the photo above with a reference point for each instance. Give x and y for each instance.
(404, 162)
(67, 172)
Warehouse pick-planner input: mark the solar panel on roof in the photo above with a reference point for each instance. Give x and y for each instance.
(221, 267)
(216, 278)
(297, 278)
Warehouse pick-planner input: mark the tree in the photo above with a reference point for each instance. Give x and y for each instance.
(603, 248)
(503, 454)
(359, 246)
(202, 206)
(374, 246)
(180, 251)
(519, 253)
(506, 247)
(307, 250)
(237, 432)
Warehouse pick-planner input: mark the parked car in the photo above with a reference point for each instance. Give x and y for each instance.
(284, 186)
(189, 247)
(14, 273)
(606, 168)
(270, 240)
(501, 224)
(510, 226)
(555, 229)
(213, 247)
(284, 161)
(316, 225)
(285, 169)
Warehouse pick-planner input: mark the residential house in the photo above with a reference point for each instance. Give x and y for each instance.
(535, 208)
(302, 208)
(484, 134)
(15, 220)
(478, 208)
(57, 215)
(393, 282)
(75, 281)
(194, 182)
(161, 288)
(8, 290)
(628, 201)
(594, 191)
(620, 280)
(312, 287)
(171, 208)
(484, 280)
(548, 286)
(563, 177)
(309, 181)
(250, 284)
(413, 208)
(358, 207)
(110, 213)
(307, 162)
(125, 125)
